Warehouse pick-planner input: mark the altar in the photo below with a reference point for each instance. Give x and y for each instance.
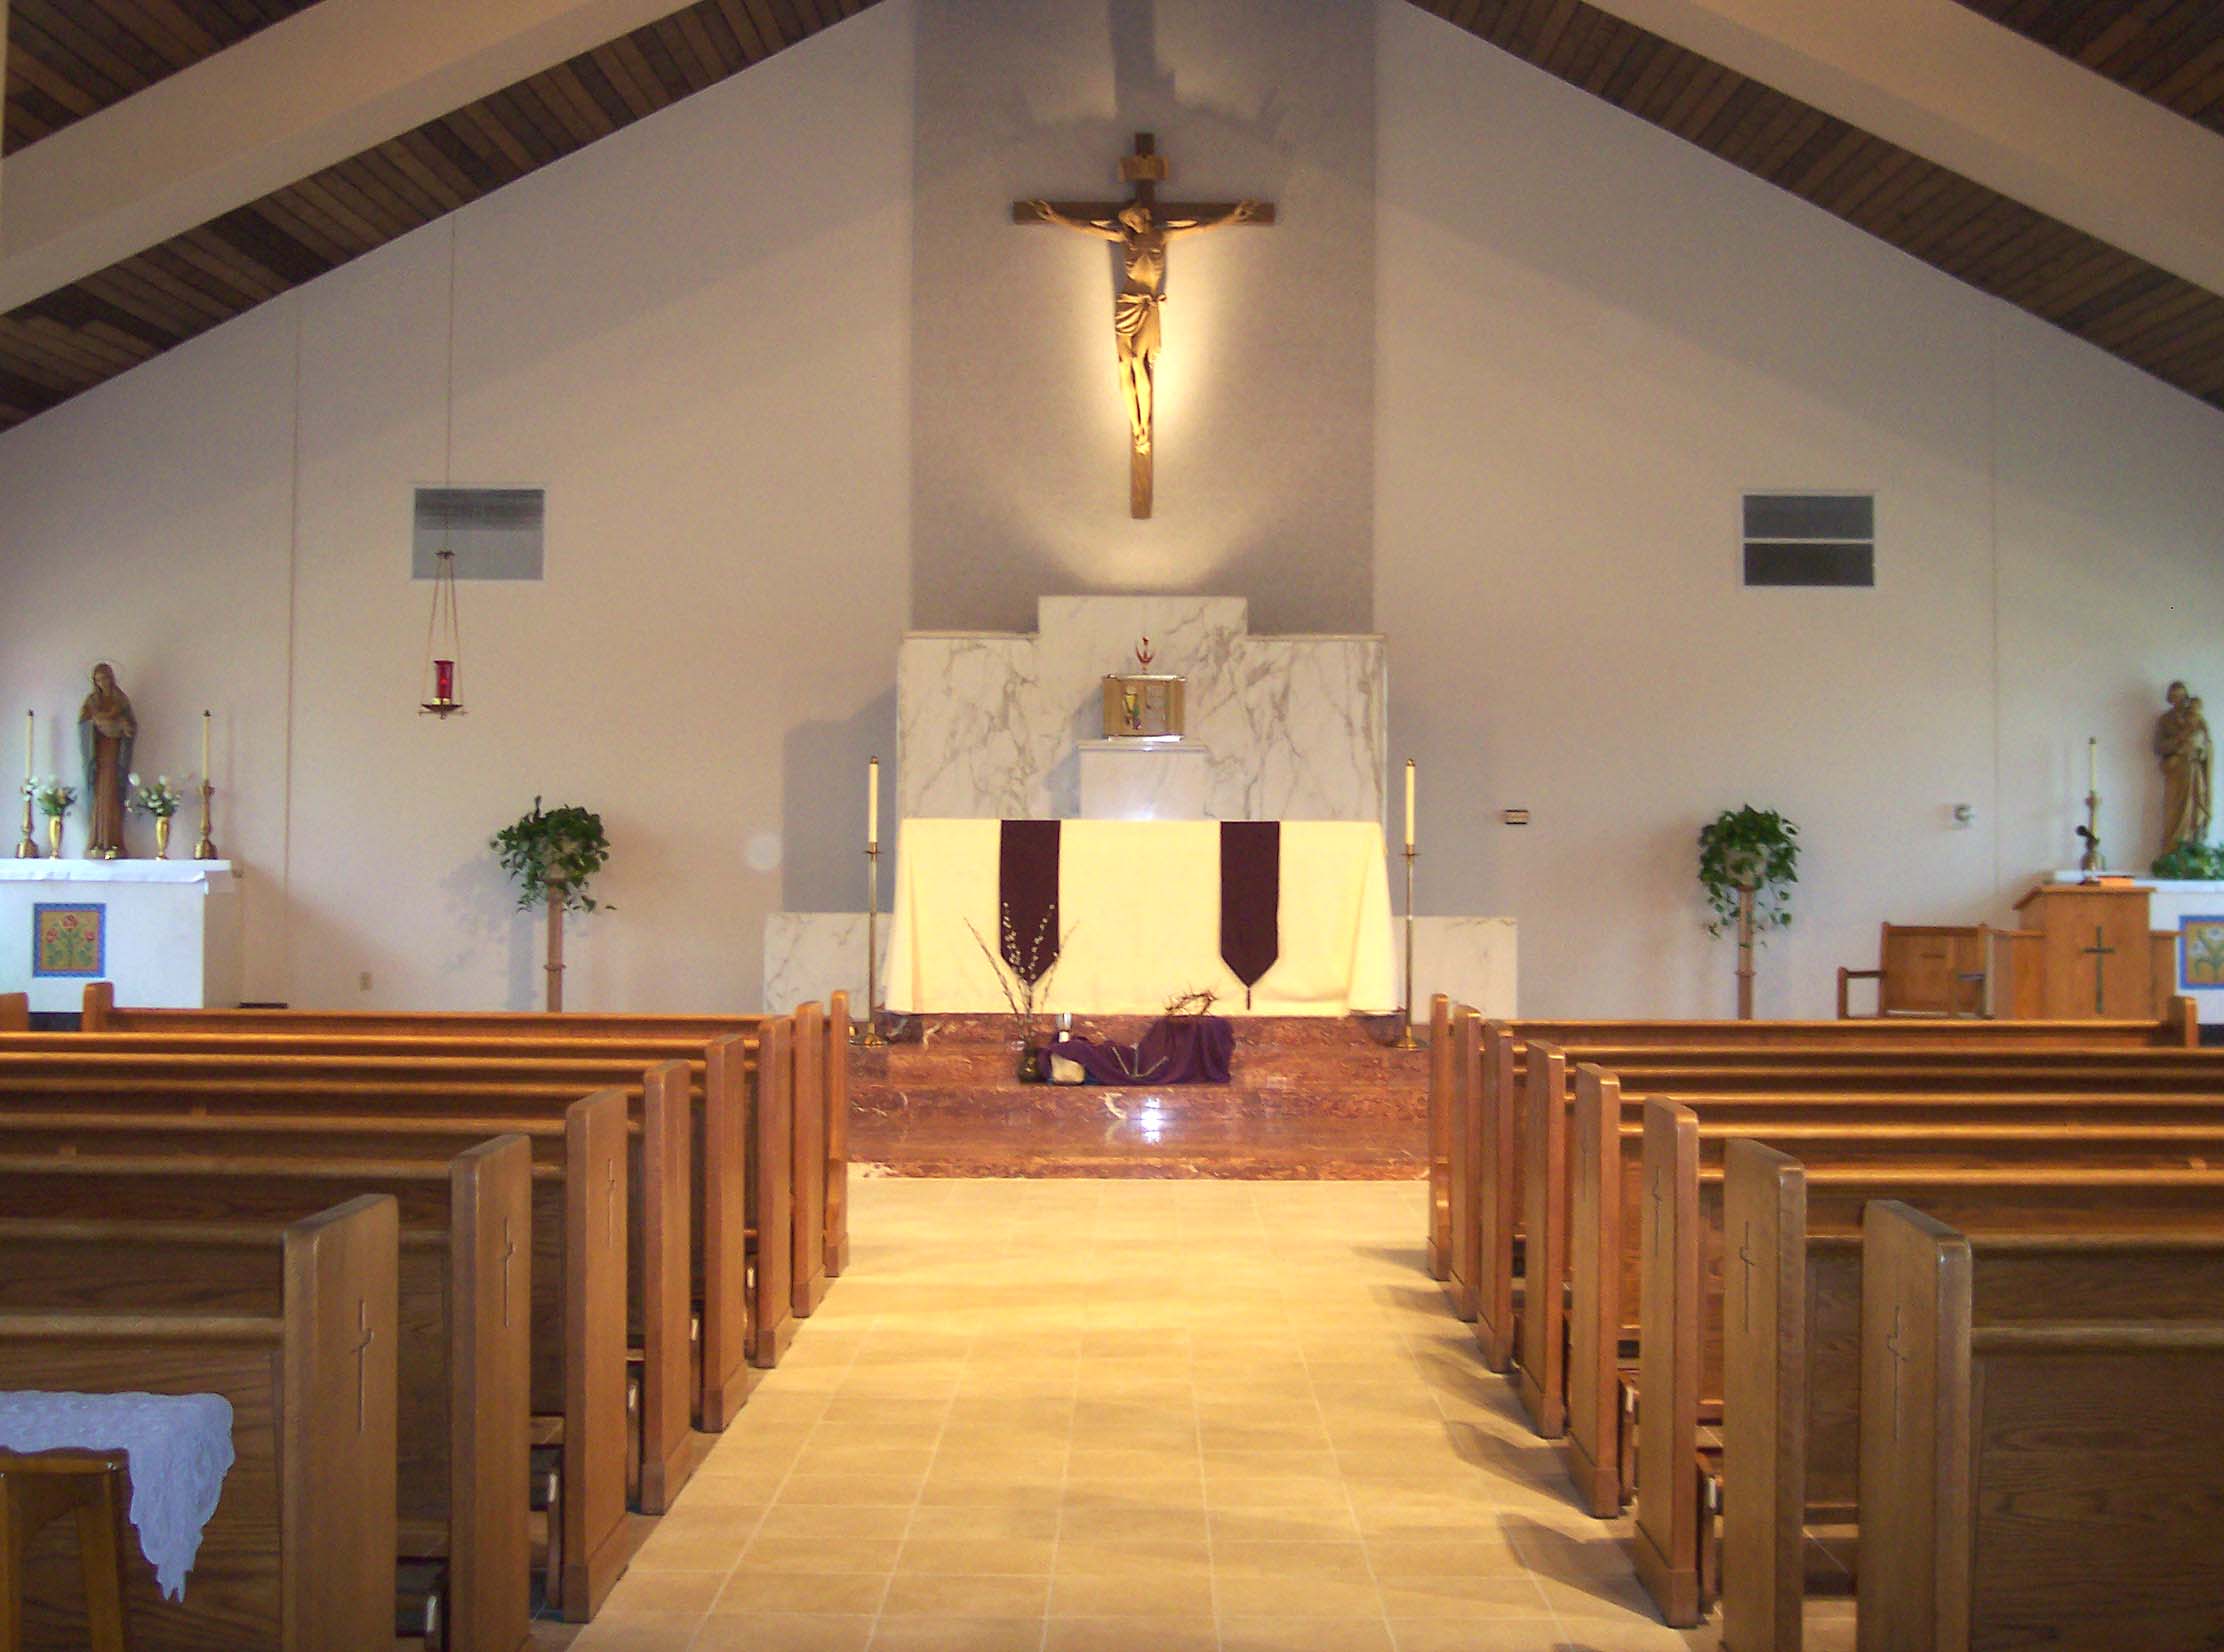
(166, 932)
(1144, 912)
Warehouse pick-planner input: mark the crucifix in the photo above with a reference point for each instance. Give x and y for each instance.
(2100, 952)
(362, 1353)
(1900, 1356)
(1141, 227)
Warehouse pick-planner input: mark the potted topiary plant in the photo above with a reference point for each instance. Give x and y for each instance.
(552, 853)
(1748, 861)
(2190, 860)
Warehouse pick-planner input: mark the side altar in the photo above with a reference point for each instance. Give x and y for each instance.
(167, 932)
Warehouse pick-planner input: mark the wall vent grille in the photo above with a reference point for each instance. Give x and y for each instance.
(496, 533)
(1810, 539)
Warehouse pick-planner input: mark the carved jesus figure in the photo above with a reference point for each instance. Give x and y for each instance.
(1142, 238)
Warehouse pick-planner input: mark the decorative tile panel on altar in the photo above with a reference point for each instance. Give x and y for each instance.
(992, 724)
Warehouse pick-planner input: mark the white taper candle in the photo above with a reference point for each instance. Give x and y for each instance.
(2092, 765)
(30, 719)
(204, 748)
(872, 804)
(1409, 803)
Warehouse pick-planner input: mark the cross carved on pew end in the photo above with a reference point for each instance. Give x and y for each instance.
(1658, 1195)
(362, 1355)
(2100, 952)
(1745, 1255)
(1900, 1356)
(610, 1206)
(509, 1254)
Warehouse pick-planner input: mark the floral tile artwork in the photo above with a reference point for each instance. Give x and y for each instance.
(68, 940)
(2201, 953)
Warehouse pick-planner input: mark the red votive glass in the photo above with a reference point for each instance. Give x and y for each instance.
(443, 681)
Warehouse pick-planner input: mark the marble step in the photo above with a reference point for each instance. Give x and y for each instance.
(1254, 1148)
(1204, 1103)
(1252, 1031)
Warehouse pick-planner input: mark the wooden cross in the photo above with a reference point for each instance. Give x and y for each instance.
(1142, 225)
(509, 1251)
(2100, 952)
(1657, 1196)
(1745, 1255)
(1900, 1356)
(610, 1206)
(362, 1355)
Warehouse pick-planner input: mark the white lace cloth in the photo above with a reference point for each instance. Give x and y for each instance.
(180, 1447)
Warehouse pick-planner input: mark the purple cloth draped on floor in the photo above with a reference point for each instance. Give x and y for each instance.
(1188, 1049)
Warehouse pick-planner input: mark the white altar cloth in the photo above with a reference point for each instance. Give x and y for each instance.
(169, 931)
(1139, 917)
(179, 1446)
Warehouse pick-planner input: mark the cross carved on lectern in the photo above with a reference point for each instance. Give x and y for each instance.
(2100, 952)
(1141, 226)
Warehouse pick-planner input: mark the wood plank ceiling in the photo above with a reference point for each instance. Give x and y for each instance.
(74, 338)
(69, 58)
(2171, 51)
(2153, 319)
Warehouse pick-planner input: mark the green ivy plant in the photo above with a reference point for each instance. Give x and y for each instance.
(2191, 860)
(1749, 848)
(553, 847)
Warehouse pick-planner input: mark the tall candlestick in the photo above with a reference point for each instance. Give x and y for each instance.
(872, 804)
(1409, 803)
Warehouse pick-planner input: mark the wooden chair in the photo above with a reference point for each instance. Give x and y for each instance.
(1924, 970)
(37, 1489)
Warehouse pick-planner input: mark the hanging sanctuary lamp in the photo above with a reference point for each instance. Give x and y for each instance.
(443, 635)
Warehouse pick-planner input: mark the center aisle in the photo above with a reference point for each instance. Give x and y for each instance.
(1049, 1416)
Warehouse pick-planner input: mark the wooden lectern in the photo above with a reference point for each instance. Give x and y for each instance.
(2093, 957)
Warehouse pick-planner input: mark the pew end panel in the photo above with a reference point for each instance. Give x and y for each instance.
(1440, 1137)
(98, 1010)
(1592, 1449)
(490, 1298)
(725, 1208)
(594, 1536)
(807, 1250)
(337, 1460)
(1463, 1146)
(1764, 1412)
(15, 1012)
(1669, 1491)
(671, 1450)
(771, 1201)
(837, 1135)
(1495, 1127)
(1541, 1361)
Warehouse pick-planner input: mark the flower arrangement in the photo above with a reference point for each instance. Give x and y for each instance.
(2204, 861)
(556, 849)
(158, 800)
(54, 799)
(1025, 992)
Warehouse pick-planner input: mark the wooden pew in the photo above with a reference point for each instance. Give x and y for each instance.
(1440, 1137)
(577, 1272)
(1608, 1194)
(807, 1252)
(463, 1354)
(299, 1553)
(1791, 1339)
(2047, 1482)
(1546, 1099)
(441, 1096)
(1490, 1198)
(15, 1012)
(102, 1014)
(1682, 1249)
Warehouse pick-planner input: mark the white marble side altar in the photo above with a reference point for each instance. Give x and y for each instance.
(992, 724)
(1469, 960)
(810, 956)
(168, 931)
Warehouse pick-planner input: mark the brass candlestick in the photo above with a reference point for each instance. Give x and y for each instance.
(28, 848)
(205, 849)
(871, 1036)
(1405, 1039)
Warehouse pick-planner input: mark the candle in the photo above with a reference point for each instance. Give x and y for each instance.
(2092, 766)
(872, 804)
(1409, 803)
(29, 719)
(204, 748)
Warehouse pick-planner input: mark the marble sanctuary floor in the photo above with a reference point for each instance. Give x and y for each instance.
(1071, 1415)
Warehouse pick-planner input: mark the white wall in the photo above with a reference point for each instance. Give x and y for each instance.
(1567, 341)
(1591, 336)
(694, 334)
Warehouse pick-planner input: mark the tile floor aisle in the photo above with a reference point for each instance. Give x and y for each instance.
(1058, 1416)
